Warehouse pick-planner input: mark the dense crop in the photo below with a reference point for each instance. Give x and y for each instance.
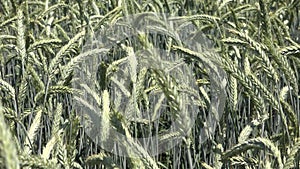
(255, 61)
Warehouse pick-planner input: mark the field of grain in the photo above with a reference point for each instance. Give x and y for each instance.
(149, 84)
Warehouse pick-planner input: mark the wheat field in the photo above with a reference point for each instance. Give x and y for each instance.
(134, 84)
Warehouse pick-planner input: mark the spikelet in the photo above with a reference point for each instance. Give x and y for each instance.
(284, 92)
(290, 50)
(240, 160)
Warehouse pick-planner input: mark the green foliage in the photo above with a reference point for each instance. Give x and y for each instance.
(256, 42)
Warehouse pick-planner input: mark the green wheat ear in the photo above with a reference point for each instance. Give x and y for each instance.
(33, 161)
(293, 156)
(31, 133)
(255, 143)
(105, 118)
(245, 133)
(246, 162)
(101, 159)
(206, 166)
(8, 151)
(56, 133)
